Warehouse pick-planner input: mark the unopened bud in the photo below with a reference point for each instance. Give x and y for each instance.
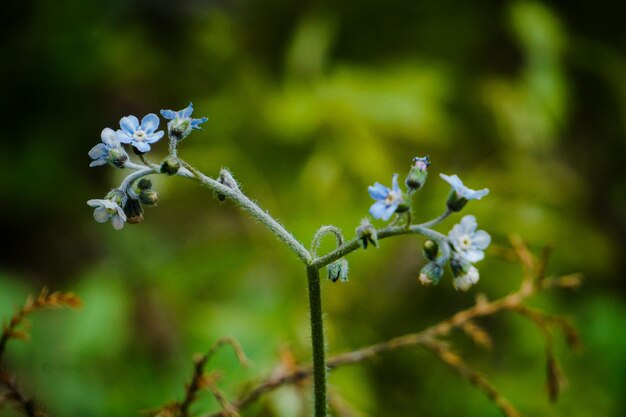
(430, 250)
(431, 273)
(149, 197)
(117, 157)
(455, 202)
(418, 173)
(338, 270)
(133, 211)
(170, 165)
(367, 234)
(178, 129)
(227, 179)
(144, 184)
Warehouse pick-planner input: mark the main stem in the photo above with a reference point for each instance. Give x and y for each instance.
(317, 337)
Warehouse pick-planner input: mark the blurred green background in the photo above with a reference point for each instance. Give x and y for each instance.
(308, 104)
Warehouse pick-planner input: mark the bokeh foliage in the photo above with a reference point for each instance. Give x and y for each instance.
(310, 102)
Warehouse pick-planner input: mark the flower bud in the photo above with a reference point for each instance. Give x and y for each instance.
(179, 129)
(149, 197)
(431, 273)
(430, 250)
(117, 157)
(170, 165)
(133, 211)
(227, 179)
(367, 234)
(338, 270)
(465, 274)
(144, 184)
(455, 202)
(418, 173)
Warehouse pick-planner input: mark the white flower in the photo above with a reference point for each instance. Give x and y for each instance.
(108, 209)
(465, 281)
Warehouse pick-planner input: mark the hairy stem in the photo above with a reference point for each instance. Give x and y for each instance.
(317, 336)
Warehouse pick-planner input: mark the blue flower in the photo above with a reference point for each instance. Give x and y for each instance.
(388, 201)
(460, 194)
(110, 150)
(468, 242)
(139, 135)
(181, 123)
(108, 209)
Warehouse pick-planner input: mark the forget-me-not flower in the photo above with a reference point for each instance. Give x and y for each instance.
(110, 150)
(465, 274)
(139, 135)
(468, 242)
(461, 194)
(108, 209)
(388, 201)
(181, 123)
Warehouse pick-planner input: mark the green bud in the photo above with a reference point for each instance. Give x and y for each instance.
(144, 184)
(117, 157)
(170, 165)
(149, 197)
(133, 211)
(456, 202)
(338, 270)
(430, 250)
(367, 234)
(431, 273)
(418, 173)
(117, 196)
(179, 129)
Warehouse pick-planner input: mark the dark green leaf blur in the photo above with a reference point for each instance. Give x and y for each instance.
(308, 104)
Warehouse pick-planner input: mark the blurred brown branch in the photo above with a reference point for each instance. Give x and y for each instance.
(533, 282)
(45, 300)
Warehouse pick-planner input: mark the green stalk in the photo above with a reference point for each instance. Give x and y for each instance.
(317, 337)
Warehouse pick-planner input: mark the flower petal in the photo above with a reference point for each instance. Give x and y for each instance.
(168, 114)
(117, 222)
(141, 146)
(195, 123)
(99, 151)
(473, 255)
(481, 239)
(94, 202)
(468, 223)
(389, 212)
(100, 215)
(97, 162)
(377, 210)
(394, 183)
(453, 180)
(149, 123)
(129, 124)
(153, 137)
(123, 137)
(476, 195)
(108, 137)
(378, 191)
(187, 111)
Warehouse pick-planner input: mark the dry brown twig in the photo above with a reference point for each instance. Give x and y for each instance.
(11, 330)
(533, 282)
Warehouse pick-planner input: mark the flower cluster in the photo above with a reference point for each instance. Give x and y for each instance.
(125, 203)
(461, 248)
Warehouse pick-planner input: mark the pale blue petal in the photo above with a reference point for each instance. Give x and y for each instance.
(141, 146)
(94, 202)
(394, 183)
(468, 224)
(389, 212)
(97, 162)
(195, 123)
(481, 239)
(168, 114)
(100, 215)
(129, 124)
(149, 123)
(154, 136)
(476, 195)
(456, 232)
(120, 212)
(187, 111)
(117, 222)
(123, 137)
(378, 191)
(108, 137)
(378, 210)
(473, 256)
(99, 151)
